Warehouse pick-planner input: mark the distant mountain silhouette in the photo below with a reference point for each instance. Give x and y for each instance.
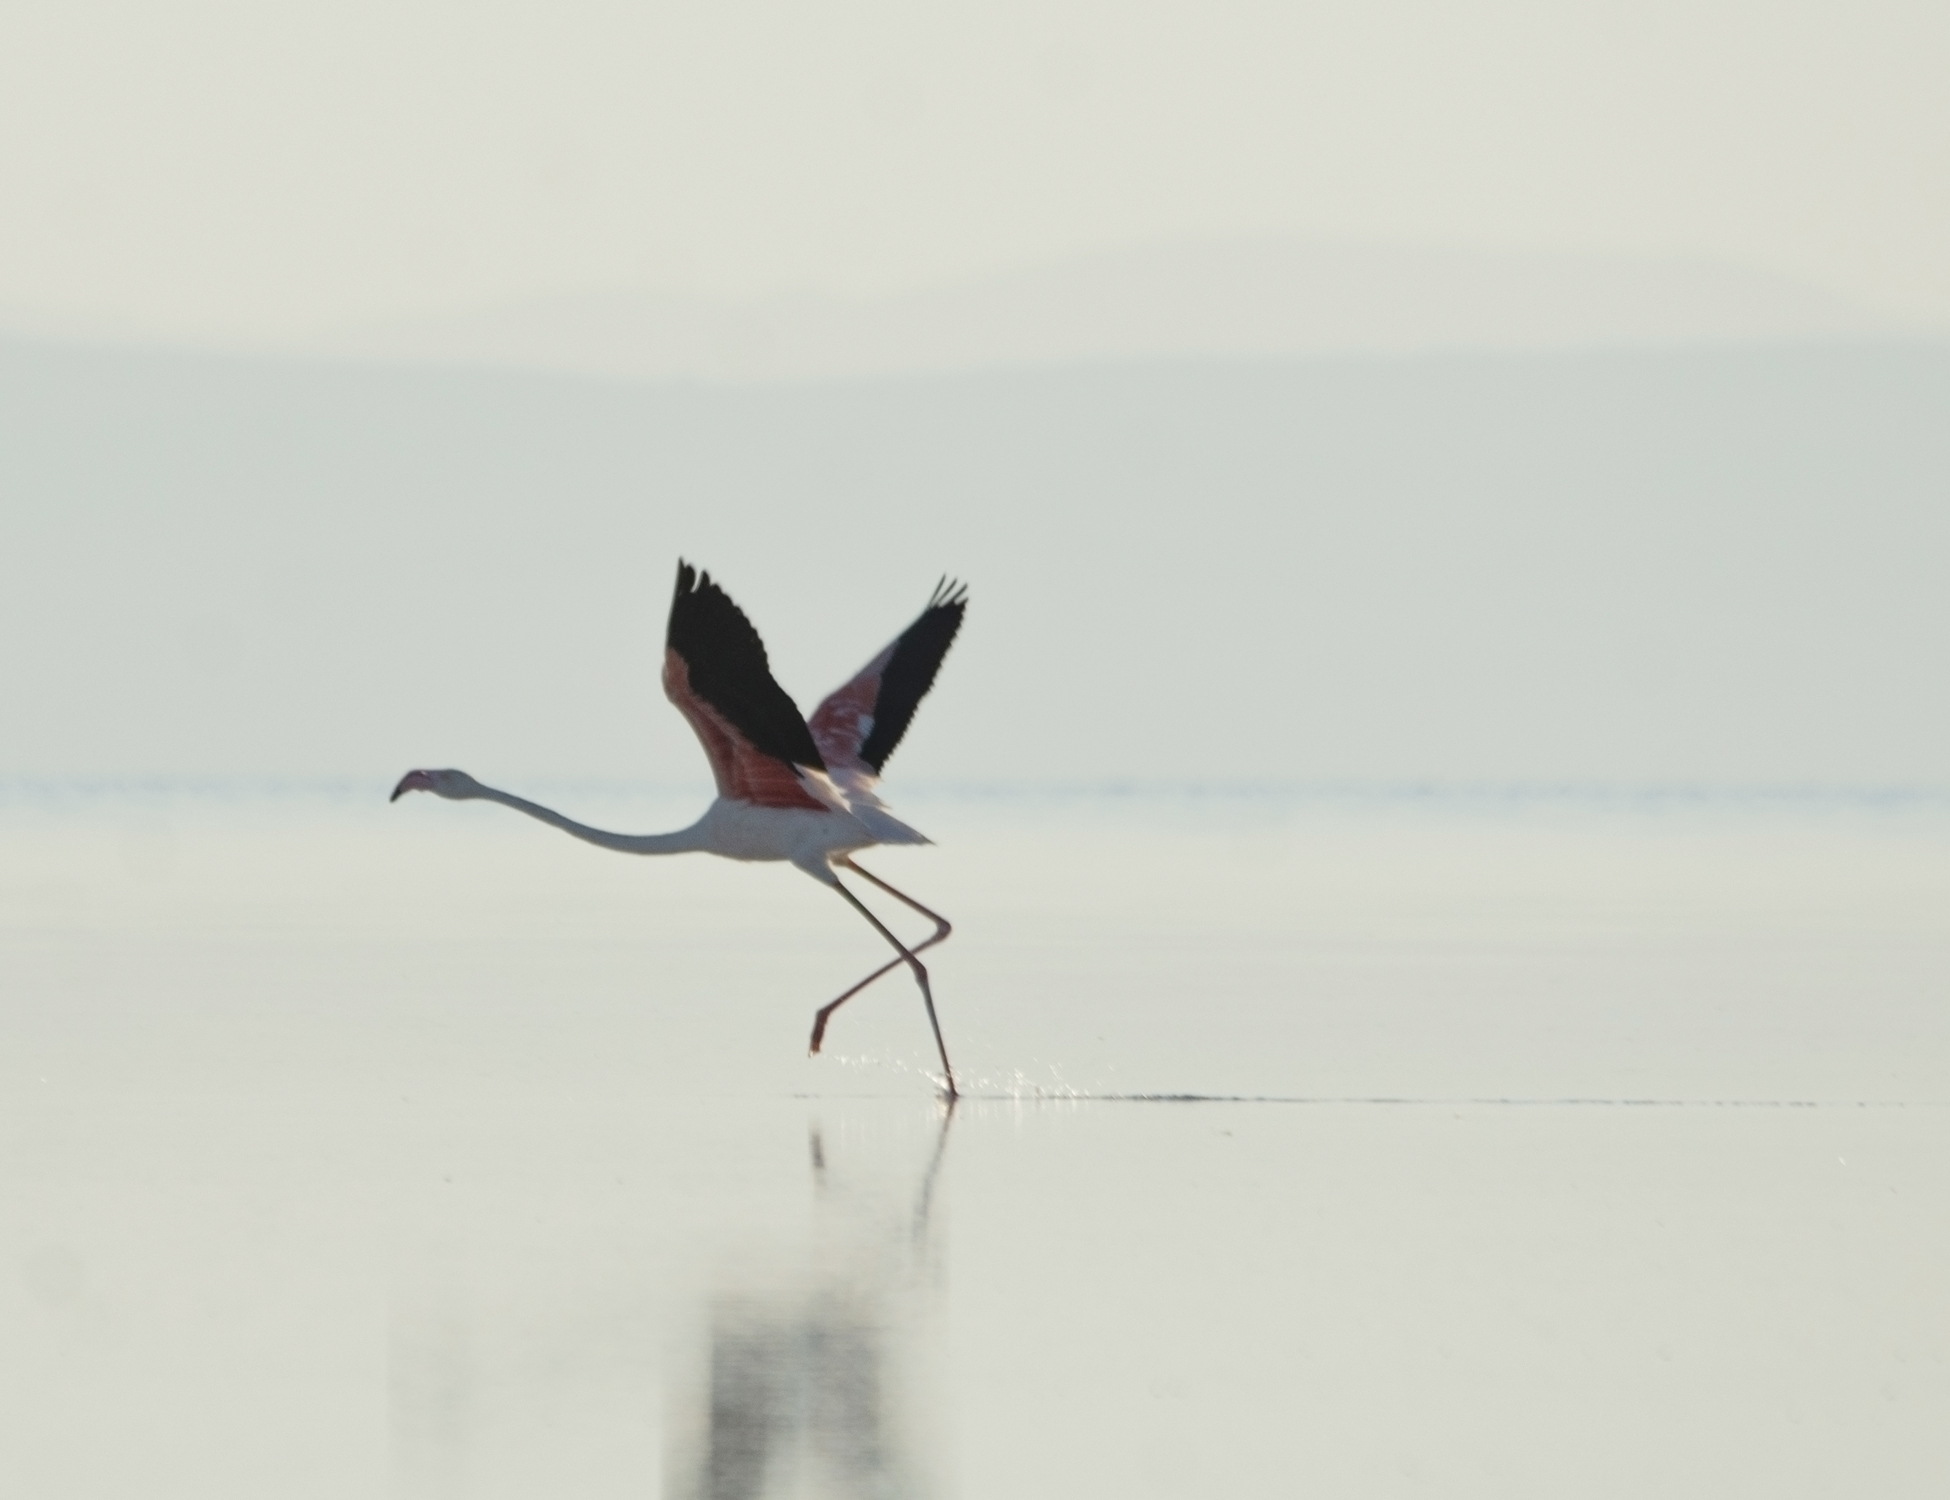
(1268, 300)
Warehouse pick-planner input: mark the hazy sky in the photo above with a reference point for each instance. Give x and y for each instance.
(1677, 567)
(220, 169)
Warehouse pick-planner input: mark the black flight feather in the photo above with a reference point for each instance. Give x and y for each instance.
(911, 671)
(729, 670)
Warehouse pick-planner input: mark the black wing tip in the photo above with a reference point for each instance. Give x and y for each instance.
(727, 667)
(950, 593)
(910, 675)
(694, 587)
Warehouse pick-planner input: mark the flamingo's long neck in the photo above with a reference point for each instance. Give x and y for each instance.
(683, 841)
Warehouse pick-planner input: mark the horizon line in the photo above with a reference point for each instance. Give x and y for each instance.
(1385, 790)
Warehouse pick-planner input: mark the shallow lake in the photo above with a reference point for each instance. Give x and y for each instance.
(1354, 1144)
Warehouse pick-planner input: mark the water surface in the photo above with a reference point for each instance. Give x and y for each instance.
(1498, 1146)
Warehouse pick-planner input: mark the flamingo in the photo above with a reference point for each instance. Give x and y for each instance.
(799, 790)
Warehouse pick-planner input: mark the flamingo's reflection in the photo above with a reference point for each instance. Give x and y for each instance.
(818, 1388)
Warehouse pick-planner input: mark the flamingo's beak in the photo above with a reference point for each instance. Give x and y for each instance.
(412, 781)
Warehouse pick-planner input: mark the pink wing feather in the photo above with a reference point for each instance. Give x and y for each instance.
(841, 724)
(741, 771)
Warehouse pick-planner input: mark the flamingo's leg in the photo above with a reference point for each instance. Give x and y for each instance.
(941, 925)
(941, 930)
(907, 957)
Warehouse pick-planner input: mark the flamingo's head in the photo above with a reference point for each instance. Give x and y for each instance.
(454, 785)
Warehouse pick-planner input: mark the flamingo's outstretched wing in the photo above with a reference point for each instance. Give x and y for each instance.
(716, 672)
(858, 725)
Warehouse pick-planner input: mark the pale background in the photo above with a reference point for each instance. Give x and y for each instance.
(241, 172)
(1368, 393)
(1455, 506)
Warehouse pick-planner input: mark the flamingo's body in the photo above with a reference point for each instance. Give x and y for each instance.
(789, 788)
